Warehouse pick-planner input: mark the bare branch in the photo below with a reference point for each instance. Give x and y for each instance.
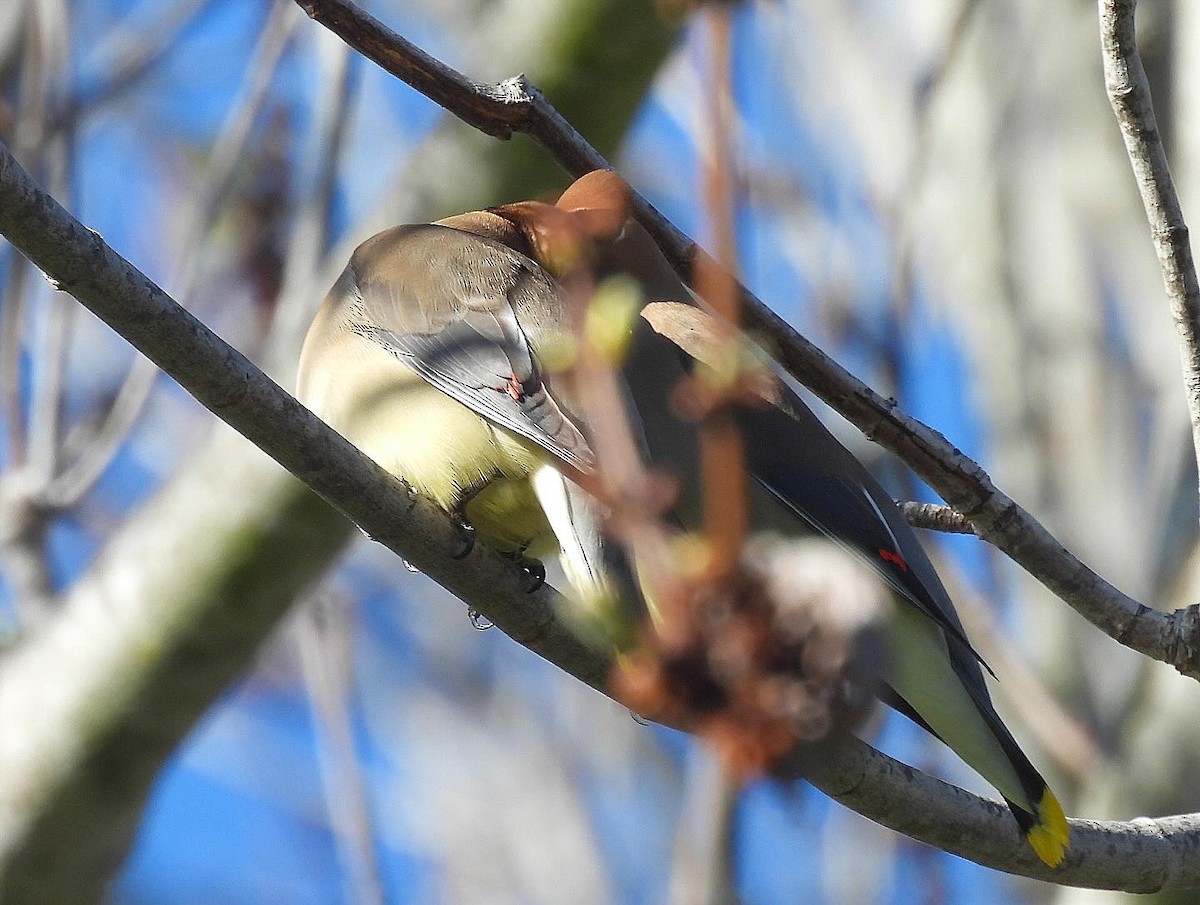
(516, 106)
(324, 636)
(1129, 93)
(80, 262)
(1142, 855)
(97, 451)
(933, 517)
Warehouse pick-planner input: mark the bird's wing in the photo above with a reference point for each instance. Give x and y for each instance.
(440, 300)
(795, 459)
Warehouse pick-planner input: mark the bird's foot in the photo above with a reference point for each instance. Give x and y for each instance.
(466, 539)
(411, 493)
(534, 571)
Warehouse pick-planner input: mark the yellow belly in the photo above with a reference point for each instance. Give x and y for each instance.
(439, 446)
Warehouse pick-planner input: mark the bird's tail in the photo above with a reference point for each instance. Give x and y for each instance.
(599, 571)
(1047, 830)
(1037, 811)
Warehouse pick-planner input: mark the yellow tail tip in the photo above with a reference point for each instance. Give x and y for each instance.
(1050, 836)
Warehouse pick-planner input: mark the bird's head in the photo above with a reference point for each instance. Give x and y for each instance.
(563, 236)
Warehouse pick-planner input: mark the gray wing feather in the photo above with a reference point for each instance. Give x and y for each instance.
(440, 300)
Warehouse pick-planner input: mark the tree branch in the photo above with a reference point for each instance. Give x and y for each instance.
(77, 260)
(124, 639)
(1141, 855)
(516, 106)
(1129, 94)
(933, 517)
(179, 600)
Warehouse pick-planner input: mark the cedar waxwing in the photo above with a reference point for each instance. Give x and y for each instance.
(426, 355)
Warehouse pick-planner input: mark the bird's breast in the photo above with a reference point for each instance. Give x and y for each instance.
(444, 450)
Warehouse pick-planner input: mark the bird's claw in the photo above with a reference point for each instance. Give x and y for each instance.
(536, 573)
(466, 540)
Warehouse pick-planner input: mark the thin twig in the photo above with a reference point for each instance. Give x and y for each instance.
(516, 106)
(722, 447)
(133, 57)
(323, 634)
(1129, 94)
(98, 450)
(309, 239)
(933, 517)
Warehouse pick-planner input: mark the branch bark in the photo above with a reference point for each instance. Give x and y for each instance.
(933, 517)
